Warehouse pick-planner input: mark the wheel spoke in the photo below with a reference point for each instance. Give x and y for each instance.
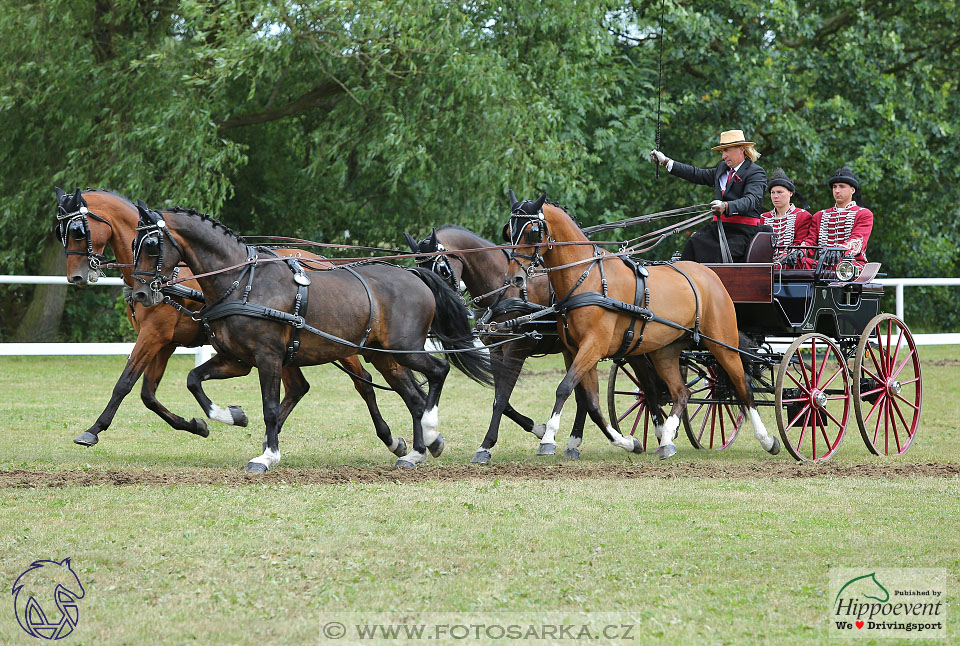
(632, 377)
(633, 407)
(636, 420)
(830, 381)
(907, 402)
(805, 409)
(873, 408)
(804, 387)
(803, 428)
(803, 371)
(886, 364)
(823, 365)
(899, 368)
(883, 407)
(905, 424)
(896, 350)
(823, 431)
(835, 420)
(876, 362)
(867, 372)
(864, 395)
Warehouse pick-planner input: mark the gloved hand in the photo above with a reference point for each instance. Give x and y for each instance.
(718, 206)
(832, 257)
(658, 157)
(793, 258)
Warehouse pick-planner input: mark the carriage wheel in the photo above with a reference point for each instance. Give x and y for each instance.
(813, 397)
(627, 404)
(887, 386)
(710, 425)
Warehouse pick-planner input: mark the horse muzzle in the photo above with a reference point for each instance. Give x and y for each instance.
(146, 296)
(518, 280)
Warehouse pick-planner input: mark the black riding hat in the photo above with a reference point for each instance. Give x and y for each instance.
(846, 176)
(779, 178)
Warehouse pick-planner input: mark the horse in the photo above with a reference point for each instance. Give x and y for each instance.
(484, 273)
(380, 311)
(90, 220)
(678, 303)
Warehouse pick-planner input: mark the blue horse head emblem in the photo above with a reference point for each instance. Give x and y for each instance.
(55, 585)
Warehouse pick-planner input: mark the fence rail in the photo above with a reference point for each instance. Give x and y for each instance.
(203, 353)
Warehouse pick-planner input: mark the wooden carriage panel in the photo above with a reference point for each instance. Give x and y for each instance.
(747, 282)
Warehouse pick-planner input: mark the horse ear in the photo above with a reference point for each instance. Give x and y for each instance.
(539, 203)
(433, 239)
(413, 243)
(513, 201)
(65, 562)
(143, 210)
(60, 193)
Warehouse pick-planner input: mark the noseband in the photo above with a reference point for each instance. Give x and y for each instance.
(68, 226)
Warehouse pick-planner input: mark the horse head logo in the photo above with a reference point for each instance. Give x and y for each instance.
(56, 585)
(865, 586)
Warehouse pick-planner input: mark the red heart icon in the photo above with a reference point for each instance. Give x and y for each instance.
(859, 625)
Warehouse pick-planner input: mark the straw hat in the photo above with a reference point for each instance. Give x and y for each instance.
(731, 138)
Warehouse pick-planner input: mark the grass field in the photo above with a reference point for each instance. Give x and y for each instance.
(740, 557)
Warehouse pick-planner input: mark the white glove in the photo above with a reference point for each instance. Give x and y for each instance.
(718, 206)
(658, 157)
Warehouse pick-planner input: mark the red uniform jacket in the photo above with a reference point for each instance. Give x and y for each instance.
(847, 227)
(790, 228)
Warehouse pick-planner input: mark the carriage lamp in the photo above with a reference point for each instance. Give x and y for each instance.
(846, 270)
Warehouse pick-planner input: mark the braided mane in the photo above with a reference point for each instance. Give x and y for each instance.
(208, 218)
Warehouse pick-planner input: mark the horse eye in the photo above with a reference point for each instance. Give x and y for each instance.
(76, 231)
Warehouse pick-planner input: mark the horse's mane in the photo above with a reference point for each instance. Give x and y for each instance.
(112, 194)
(208, 218)
(455, 227)
(565, 210)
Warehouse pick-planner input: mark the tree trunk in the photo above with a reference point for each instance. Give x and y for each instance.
(42, 319)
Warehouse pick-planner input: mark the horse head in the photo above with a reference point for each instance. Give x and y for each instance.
(155, 260)
(527, 231)
(433, 259)
(42, 582)
(84, 236)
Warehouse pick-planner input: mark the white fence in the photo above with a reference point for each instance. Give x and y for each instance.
(203, 353)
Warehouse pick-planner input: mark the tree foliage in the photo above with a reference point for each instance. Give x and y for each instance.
(353, 121)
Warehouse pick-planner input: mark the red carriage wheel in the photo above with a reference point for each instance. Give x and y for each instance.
(627, 405)
(714, 423)
(887, 386)
(813, 397)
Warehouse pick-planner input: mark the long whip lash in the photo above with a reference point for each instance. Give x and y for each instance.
(660, 79)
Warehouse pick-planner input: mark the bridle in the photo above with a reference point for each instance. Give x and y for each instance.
(440, 265)
(526, 229)
(148, 240)
(74, 224)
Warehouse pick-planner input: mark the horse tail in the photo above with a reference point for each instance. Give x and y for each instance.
(451, 326)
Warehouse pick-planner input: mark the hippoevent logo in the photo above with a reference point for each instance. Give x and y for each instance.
(888, 602)
(45, 599)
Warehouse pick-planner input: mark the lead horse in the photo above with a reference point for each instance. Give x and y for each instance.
(380, 311)
(456, 254)
(89, 221)
(676, 303)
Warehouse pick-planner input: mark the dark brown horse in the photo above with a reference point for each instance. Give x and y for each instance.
(88, 222)
(255, 306)
(484, 273)
(685, 300)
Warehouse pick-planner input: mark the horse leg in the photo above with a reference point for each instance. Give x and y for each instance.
(397, 446)
(402, 382)
(506, 371)
(733, 365)
(646, 374)
(148, 395)
(218, 367)
(270, 396)
(144, 350)
(504, 360)
(666, 361)
(572, 451)
(295, 387)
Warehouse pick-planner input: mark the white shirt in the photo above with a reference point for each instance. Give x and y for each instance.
(723, 178)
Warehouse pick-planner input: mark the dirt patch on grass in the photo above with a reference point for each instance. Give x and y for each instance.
(27, 479)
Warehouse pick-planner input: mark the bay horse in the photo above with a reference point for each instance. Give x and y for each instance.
(600, 299)
(484, 273)
(380, 311)
(91, 220)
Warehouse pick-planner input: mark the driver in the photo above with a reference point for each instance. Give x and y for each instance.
(738, 186)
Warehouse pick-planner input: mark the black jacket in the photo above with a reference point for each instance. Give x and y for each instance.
(744, 195)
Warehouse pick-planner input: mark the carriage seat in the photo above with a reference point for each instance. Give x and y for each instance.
(762, 246)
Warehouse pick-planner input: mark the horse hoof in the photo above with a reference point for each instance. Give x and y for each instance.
(482, 456)
(401, 449)
(437, 447)
(637, 446)
(775, 448)
(239, 417)
(572, 454)
(86, 439)
(667, 451)
(404, 464)
(255, 467)
(199, 427)
(539, 430)
(546, 449)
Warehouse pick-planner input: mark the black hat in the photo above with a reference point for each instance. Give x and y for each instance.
(779, 178)
(846, 176)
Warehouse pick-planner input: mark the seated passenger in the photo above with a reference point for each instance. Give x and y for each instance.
(846, 224)
(790, 223)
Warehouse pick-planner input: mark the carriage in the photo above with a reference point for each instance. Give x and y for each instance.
(821, 350)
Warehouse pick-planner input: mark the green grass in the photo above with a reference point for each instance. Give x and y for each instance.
(689, 560)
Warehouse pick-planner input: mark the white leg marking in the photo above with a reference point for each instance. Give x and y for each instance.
(220, 414)
(549, 435)
(413, 457)
(430, 422)
(574, 442)
(759, 431)
(625, 443)
(268, 459)
(668, 432)
(394, 444)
